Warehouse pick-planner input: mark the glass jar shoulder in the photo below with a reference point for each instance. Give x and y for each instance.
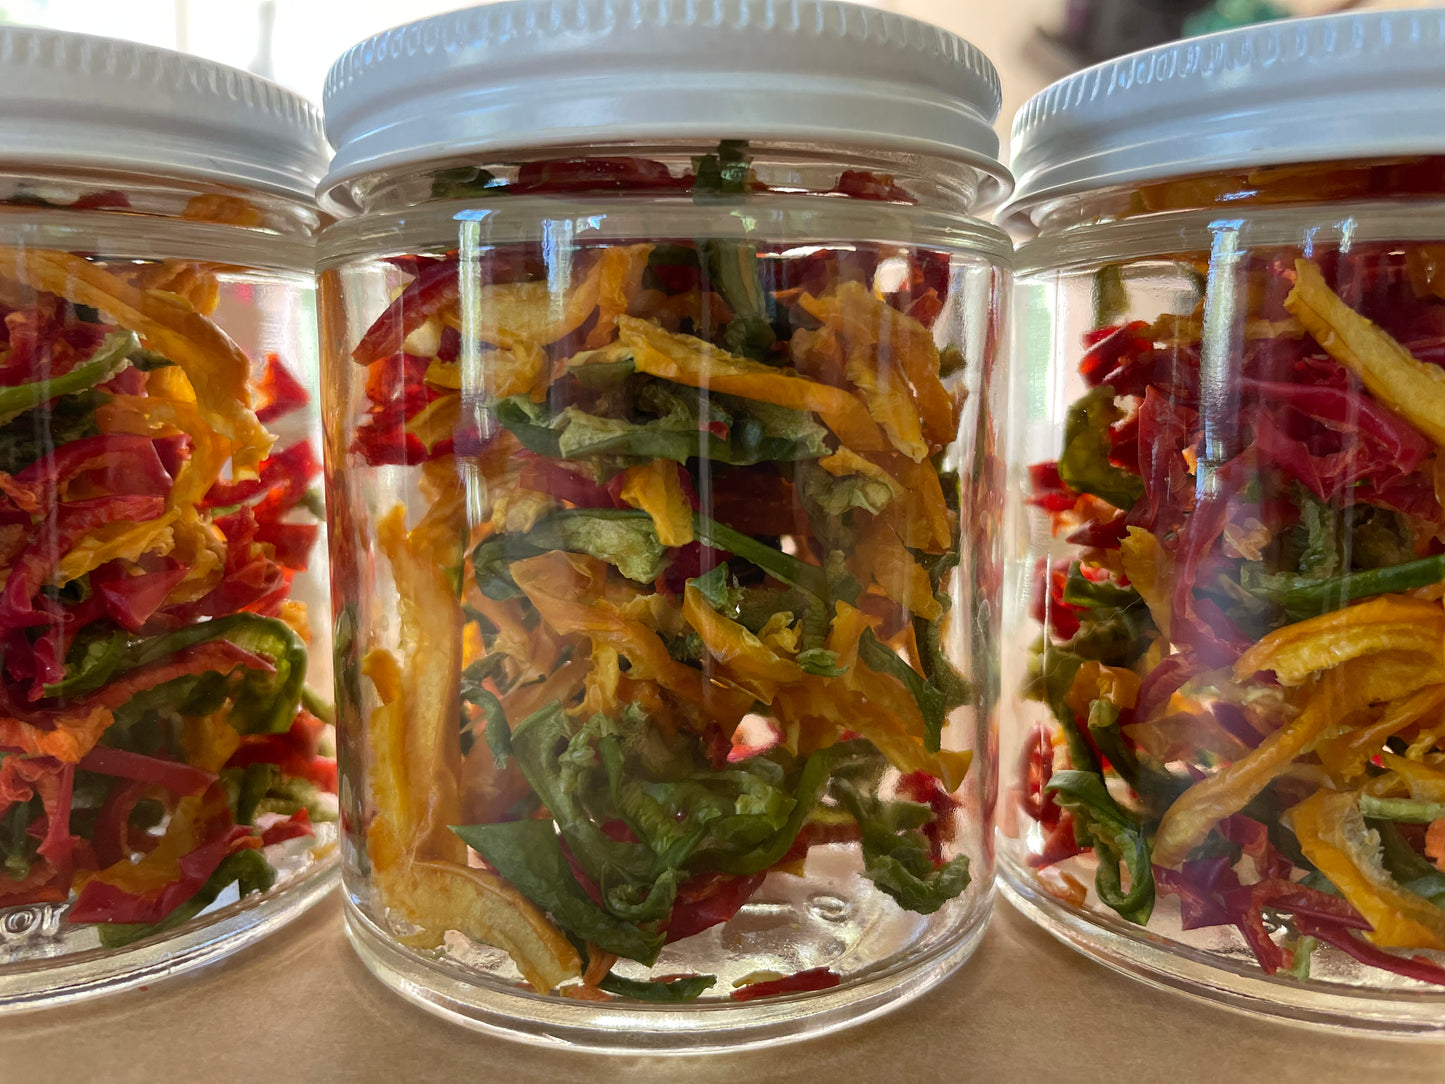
(559, 221)
(1191, 235)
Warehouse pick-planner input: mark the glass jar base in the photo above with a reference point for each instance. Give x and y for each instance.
(76, 976)
(1166, 965)
(511, 1012)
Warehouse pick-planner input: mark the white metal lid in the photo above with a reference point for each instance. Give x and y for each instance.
(546, 73)
(77, 101)
(1321, 89)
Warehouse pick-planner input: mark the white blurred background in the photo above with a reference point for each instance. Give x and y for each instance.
(294, 42)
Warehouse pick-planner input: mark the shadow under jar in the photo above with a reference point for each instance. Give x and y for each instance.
(164, 788)
(1225, 762)
(664, 651)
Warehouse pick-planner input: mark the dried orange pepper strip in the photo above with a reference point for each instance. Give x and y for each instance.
(431, 640)
(684, 359)
(567, 590)
(441, 896)
(1337, 694)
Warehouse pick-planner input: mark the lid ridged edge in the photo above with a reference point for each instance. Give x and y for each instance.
(502, 24)
(81, 100)
(1121, 111)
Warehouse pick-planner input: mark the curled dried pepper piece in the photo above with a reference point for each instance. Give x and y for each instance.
(1333, 835)
(431, 624)
(1230, 789)
(1409, 387)
(567, 590)
(1389, 623)
(440, 896)
(655, 487)
(685, 359)
(743, 657)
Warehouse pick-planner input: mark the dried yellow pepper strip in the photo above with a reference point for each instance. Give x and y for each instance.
(876, 333)
(441, 896)
(1095, 681)
(618, 288)
(880, 556)
(1407, 386)
(1426, 782)
(1148, 568)
(744, 658)
(920, 516)
(431, 638)
(684, 359)
(655, 488)
(216, 367)
(1333, 835)
(567, 590)
(1347, 756)
(1334, 696)
(1390, 622)
(518, 314)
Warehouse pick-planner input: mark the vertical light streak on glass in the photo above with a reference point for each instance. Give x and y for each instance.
(473, 377)
(1221, 340)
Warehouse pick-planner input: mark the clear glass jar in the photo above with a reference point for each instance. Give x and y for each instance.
(165, 783)
(1224, 764)
(665, 657)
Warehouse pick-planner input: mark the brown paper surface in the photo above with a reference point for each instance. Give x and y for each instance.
(300, 1007)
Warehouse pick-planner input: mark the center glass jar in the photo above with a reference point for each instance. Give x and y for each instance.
(1225, 760)
(664, 517)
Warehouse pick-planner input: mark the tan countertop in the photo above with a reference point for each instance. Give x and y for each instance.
(300, 1007)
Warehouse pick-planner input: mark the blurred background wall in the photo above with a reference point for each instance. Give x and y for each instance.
(1033, 42)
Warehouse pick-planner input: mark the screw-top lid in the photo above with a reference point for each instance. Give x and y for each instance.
(525, 74)
(1298, 90)
(77, 101)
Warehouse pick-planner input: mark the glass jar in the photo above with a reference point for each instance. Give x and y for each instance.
(664, 653)
(163, 789)
(1224, 764)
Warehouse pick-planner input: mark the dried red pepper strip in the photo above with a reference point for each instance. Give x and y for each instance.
(709, 900)
(130, 463)
(129, 601)
(1411, 967)
(281, 392)
(601, 174)
(816, 978)
(175, 776)
(70, 523)
(296, 826)
(289, 471)
(1108, 346)
(110, 835)
(434, 287)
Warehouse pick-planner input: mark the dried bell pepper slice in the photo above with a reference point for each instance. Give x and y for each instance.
(1388, 623)
(685, 359)
(1333, 835)
(656, 489)
(1409, 387)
